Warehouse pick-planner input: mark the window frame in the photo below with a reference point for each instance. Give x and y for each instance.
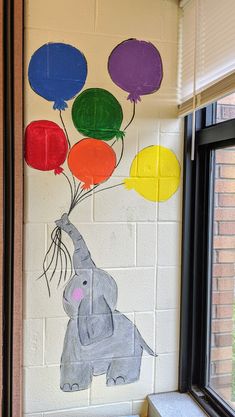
(11, 212)
(197, 236)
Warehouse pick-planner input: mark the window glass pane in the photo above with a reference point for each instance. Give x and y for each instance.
(225, 109)
(222, 365)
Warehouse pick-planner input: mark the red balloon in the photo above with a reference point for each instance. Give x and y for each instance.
(91, 161)
(46, 146)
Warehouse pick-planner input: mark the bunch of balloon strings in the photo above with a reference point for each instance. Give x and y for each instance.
(57, 259)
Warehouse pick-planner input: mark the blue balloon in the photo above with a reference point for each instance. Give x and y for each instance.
(57, 72)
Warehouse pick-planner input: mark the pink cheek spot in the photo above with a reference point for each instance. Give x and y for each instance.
(78, 294)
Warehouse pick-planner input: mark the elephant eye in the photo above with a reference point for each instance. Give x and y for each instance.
(84, 282)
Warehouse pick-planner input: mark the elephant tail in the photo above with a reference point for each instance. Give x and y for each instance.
(144, 345)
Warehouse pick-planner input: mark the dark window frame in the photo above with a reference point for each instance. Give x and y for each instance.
(196, 256)
(11, 212)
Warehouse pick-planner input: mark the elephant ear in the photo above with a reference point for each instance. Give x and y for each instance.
(95, 325)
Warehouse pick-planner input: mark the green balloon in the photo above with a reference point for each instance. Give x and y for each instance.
(96, 113)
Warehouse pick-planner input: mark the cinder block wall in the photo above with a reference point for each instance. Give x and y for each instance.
(136, 240)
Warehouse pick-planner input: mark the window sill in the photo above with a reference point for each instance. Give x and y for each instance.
(173, 404)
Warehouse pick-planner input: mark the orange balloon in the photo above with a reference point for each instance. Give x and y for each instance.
(91, 161)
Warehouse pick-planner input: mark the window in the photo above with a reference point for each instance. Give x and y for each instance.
(225, 108)
(221, 370)
(207, 359)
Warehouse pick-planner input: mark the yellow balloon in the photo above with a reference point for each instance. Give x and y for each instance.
(154, 173)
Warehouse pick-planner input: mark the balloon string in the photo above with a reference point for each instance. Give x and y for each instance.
(59, 251)
(70, 186)
(57, 255)
(103, 189)
(61, 263)
(63, 250)
(79, 197)
(131, 120)
(67, 257)
(47, 254)
(75, 199)
(87, 193)
(74, 185)
(121, 155)
(45, 270)
(66, 133)
(132, 117)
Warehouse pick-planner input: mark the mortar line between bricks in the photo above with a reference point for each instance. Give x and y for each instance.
(116, 222)
(96, 15)
(85, 407)
(89, 397)
(101, 34)
(43, 340)
(66, 318)
(155, 308)
(136, 242)
(92, 208)
(132, 406)
(46, 237)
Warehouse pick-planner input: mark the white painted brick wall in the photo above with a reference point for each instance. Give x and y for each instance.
(136, 241)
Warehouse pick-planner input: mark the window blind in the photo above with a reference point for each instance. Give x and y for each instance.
(207, 52)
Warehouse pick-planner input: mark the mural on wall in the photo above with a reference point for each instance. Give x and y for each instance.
(97, 113)
(57, 72)
(99, 339)
(136, 67)
(154, 173)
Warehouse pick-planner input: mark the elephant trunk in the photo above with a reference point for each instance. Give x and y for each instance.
(81, 256)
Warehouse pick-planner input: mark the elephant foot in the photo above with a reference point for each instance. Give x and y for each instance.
(120, 380)
(70, 388)
(73, 387)
(123, 371)
(75, 377)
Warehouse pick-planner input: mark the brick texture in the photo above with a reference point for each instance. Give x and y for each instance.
(227, 171)
(226, 200)
(223, 273)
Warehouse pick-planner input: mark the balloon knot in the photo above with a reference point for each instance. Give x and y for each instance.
(134, 97)
(120, 134)
(128, 183)
(58, 171)
(86, 186)
(60, 105)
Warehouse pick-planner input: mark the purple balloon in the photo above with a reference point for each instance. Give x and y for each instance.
(136, 67)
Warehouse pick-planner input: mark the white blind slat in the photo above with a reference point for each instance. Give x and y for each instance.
(215, 44)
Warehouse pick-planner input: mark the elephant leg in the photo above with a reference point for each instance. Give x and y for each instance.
(123, 371)
(75, 376)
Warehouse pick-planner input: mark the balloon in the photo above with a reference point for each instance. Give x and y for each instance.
(57, 72)
(91, 161)
(97, 113)
(46, 146)
(136, 67)
(154, 173)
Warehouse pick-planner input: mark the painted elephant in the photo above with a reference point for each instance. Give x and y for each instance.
(99, 339)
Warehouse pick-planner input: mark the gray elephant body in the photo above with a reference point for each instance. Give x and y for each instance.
(118, 356)
(99, 339)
